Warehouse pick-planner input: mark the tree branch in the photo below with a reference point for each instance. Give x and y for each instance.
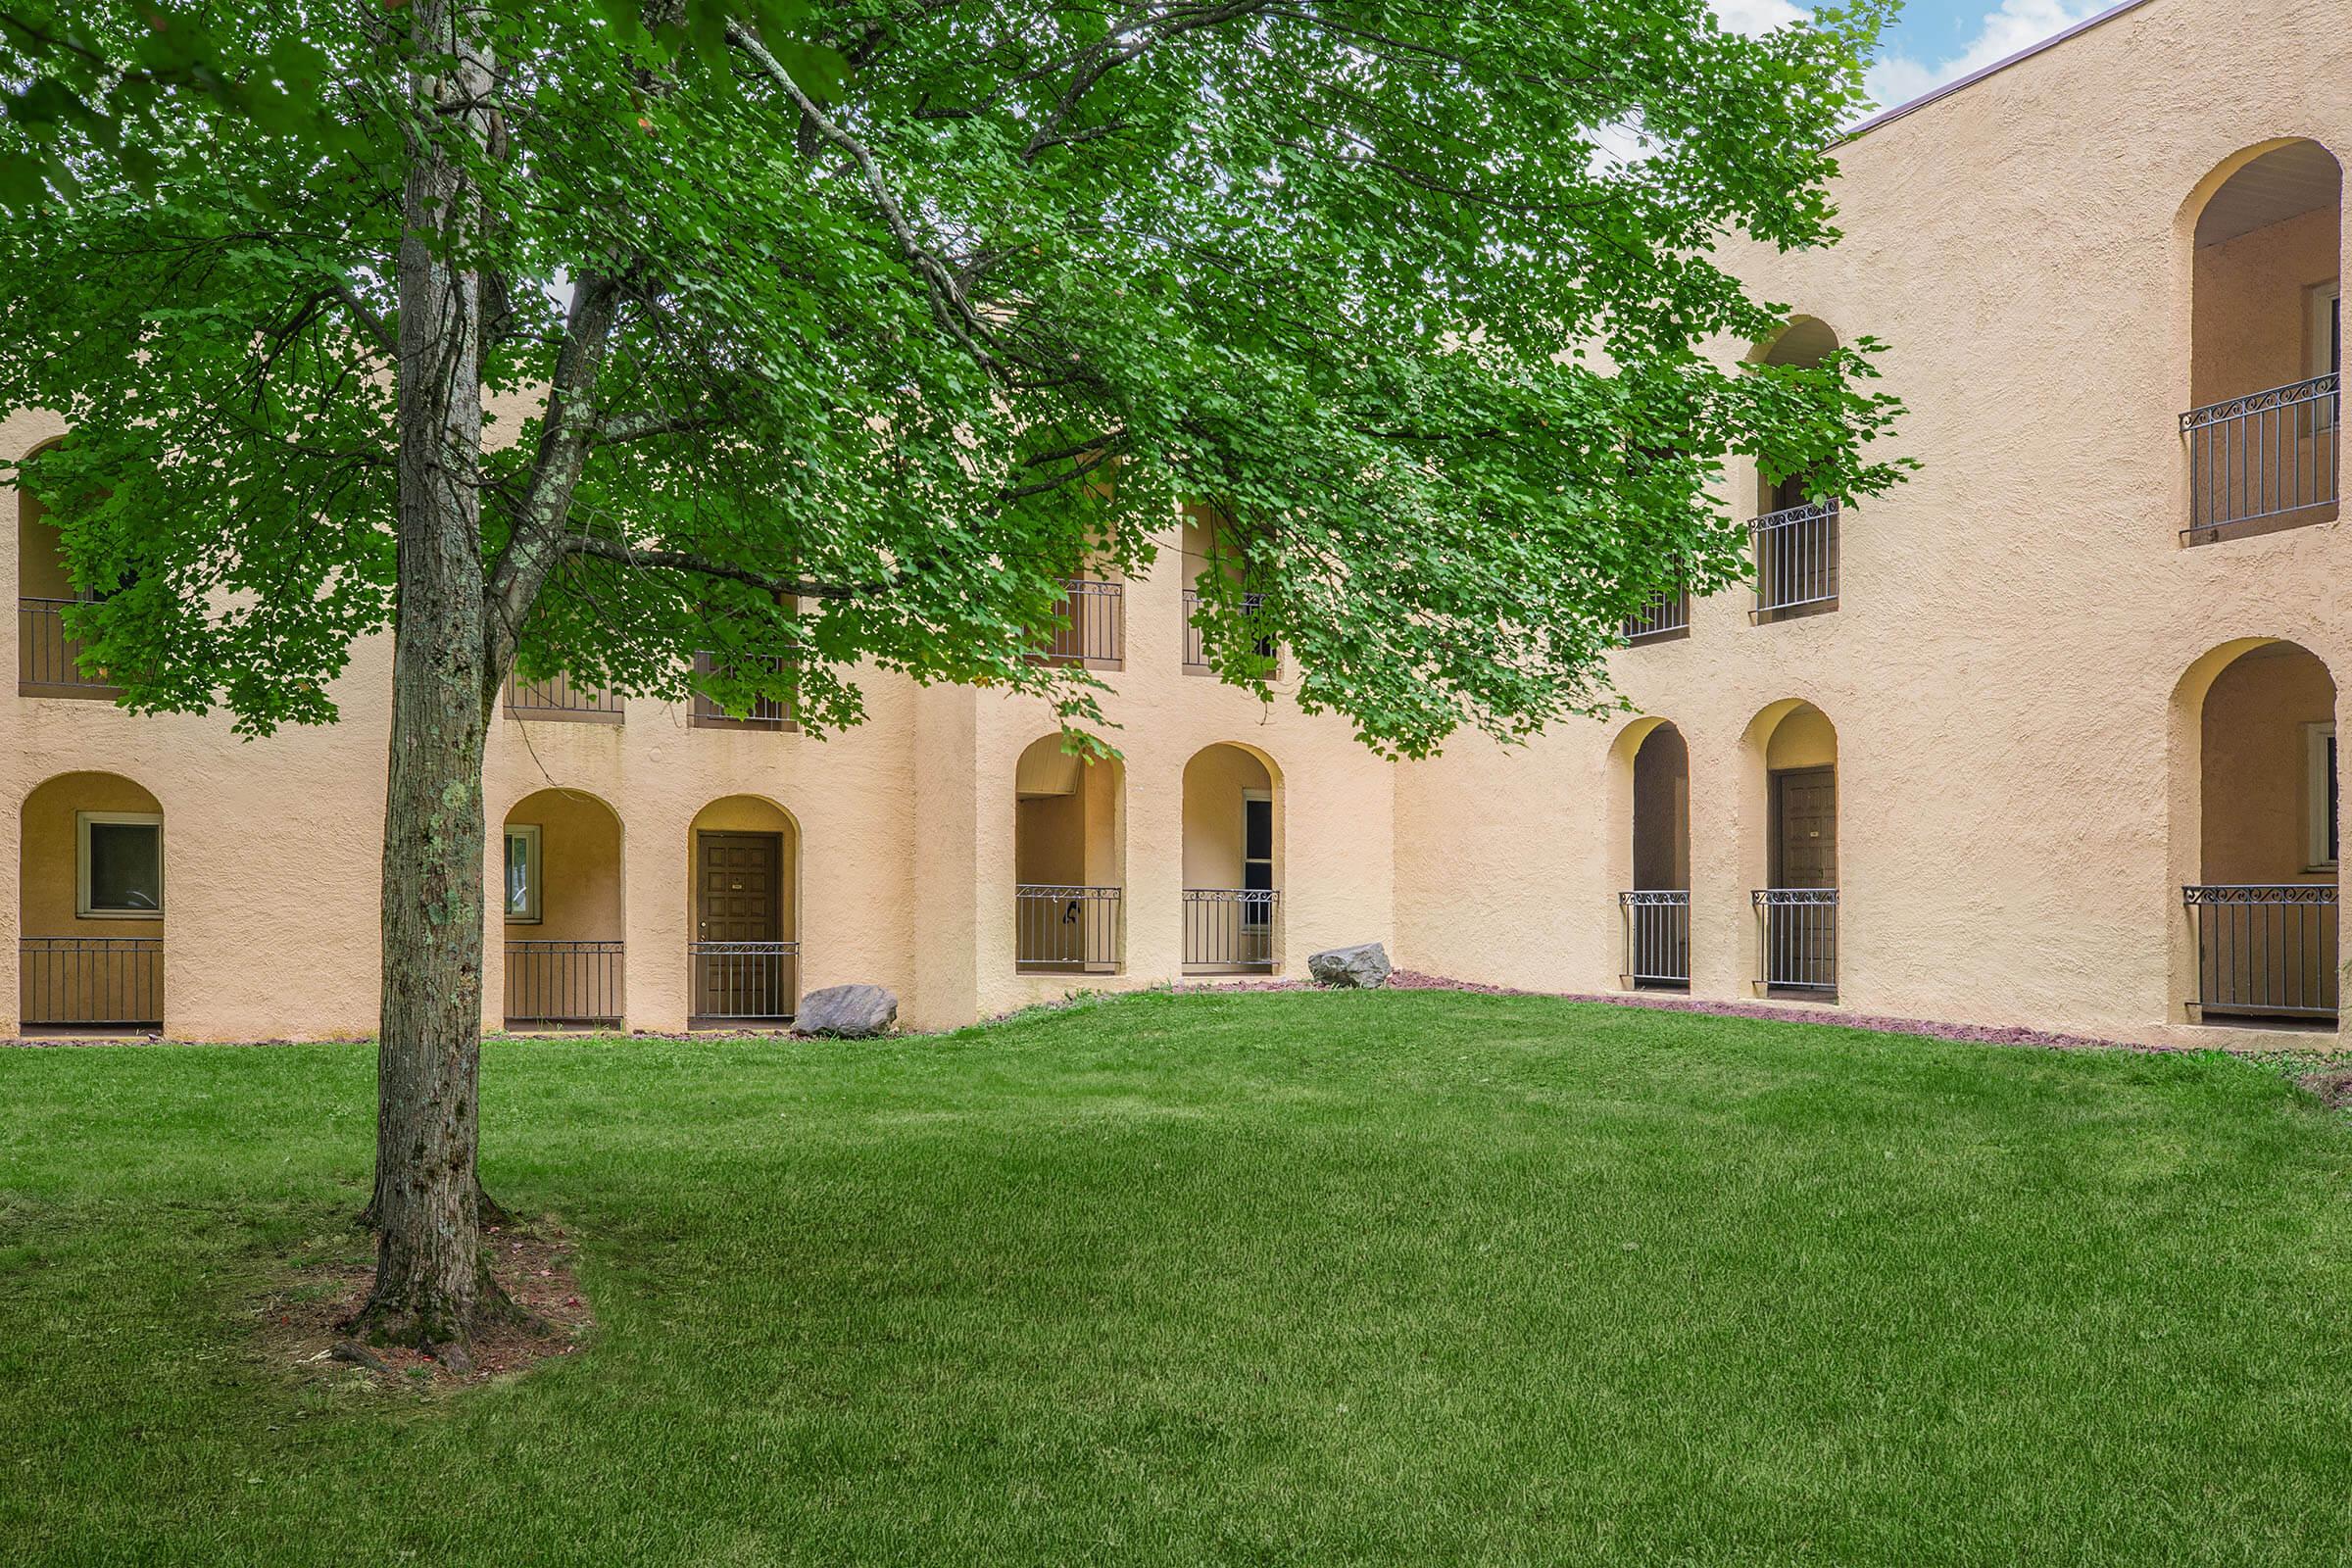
(614, 549)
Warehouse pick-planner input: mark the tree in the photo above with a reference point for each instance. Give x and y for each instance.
(844, 332)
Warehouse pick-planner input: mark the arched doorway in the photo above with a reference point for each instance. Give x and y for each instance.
(1656, 908)
(1232, 861)
(562, 891)
(744, 870)
(1794, 533)
(1069, 851)
(2266, 344)
(2262, 912)
(91, 905)
(1796, 910)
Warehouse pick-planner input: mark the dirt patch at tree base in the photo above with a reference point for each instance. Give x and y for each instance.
(304, 1327)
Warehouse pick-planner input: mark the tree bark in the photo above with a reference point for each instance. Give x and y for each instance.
(432, 1287)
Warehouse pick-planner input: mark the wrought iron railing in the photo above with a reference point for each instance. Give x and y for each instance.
(1086, 622)
(2265, 949)
(48, 661)
(1195, 639)
(766, 713)
(1666, 616)
(557, 698)
(744, 982)
(103, 982)
(1797, 559)
(1065, 927)
(564, 981)
(2270, 454)
(1657, 938)
(1798, 939)
(1229, 928)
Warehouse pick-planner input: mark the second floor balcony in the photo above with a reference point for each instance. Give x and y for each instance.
(49, 660)
(2264, 460)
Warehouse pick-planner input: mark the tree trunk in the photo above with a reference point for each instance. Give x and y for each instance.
(431, 1283)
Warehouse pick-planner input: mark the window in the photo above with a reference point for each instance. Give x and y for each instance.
(2319, 741)
(523, 875)
(1257, 854)
(2326, 344)
(117, 866)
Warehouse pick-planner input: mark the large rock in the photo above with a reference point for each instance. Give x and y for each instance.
(851, 1011)
(1362, 967)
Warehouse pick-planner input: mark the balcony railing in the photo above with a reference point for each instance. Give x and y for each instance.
(1195, 640)
(1665, 616)
(1065, 927)
(564, 982)
(2265, 949)
(1797, 559)
(2268, 456)
(767, 713)
(1798, 939)
(47, 660)
(1657, 938)
(744, 982)
(557, 699)
(1229, 928)
(1086, 623)
(101, 982)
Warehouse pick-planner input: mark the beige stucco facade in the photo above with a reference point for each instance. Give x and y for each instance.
(2036, 712)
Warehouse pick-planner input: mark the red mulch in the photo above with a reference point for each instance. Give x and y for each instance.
(304, 1326)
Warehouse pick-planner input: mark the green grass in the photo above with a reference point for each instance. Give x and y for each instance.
(1267, 1279)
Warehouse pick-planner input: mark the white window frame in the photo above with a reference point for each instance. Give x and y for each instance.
(2320, 325)
(82, 821)
(1256, 916)
(2316, 739)
(534, 876)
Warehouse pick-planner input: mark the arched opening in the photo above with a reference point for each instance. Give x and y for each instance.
(48, 659)
(1794, 531)
(1232, 861)
(1656, 908)
(744, 867)
(91, 905)
(2266, 344)
(2262, 912)
(1069, 851)
(1796, 910)
(562, 891)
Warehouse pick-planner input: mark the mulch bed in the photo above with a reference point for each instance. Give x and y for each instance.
(303, 1327)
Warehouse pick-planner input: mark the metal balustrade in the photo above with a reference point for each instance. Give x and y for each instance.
(1796, 931)
(48, 659)
(2265, 949)
(558, 699)
(743, 982)
(2268, 455)
(1058, 926)
(1657, 938)
(1229, 928)
(564, 982)
(1086, 623)
(98, 982)
(1667, 616)
(767, 713)
(1196, 638)
(1797, 559)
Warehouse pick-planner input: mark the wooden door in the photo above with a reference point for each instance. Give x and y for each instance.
(739, 899)
(1804, 827)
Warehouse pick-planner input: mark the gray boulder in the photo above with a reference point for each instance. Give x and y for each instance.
(852, 1012)
(1362, 967)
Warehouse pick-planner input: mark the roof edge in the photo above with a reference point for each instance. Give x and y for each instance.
(1933, 95)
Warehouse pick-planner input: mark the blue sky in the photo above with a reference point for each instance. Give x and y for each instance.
(1934, 41)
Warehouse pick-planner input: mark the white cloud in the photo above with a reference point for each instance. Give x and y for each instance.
(1895, 79)
(1757, 16)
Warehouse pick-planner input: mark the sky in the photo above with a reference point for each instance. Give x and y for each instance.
(1932, 41)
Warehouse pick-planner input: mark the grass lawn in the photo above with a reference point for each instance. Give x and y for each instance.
(1290, 1277)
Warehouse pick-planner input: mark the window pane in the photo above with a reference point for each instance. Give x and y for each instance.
(520, 875)
(1257, 876)
(1257, 830)
(126, 865)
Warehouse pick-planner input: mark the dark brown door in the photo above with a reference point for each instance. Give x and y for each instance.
(738, 899)
(1804, 827)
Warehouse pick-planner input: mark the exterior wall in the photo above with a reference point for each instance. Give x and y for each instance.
(1213, 782)
(2015, 669)
(2256, 787)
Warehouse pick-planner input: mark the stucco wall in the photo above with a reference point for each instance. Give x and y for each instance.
(1214, 784)
(2256, 786)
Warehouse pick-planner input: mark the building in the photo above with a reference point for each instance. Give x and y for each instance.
(2045, 738)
